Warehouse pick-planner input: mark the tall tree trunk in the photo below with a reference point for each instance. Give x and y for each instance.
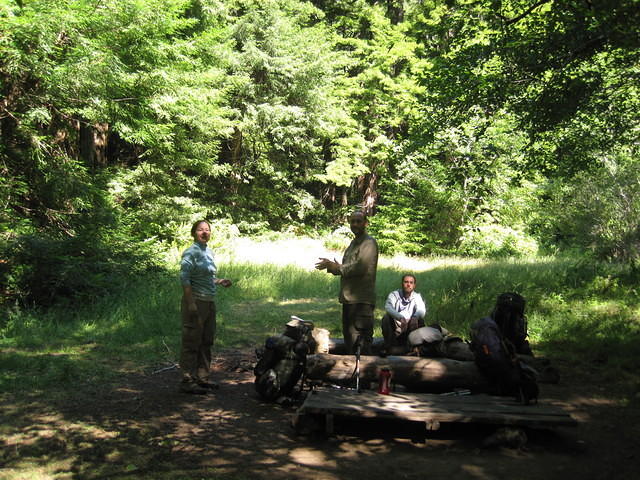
(368, 186)
(395, 11)
(344, 198)
(236, 159)
(328, 195)
(93, 144)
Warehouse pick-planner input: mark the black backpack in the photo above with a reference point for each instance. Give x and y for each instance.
(510, 318)
(282, 361)
(497, 358)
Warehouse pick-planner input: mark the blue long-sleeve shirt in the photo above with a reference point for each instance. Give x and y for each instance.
(198, 270)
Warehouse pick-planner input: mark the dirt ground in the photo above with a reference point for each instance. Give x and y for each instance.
(143, 427)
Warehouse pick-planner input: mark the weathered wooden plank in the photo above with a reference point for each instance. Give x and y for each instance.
(470, 403)
(480, 402)
(398, 404)
(434, 409)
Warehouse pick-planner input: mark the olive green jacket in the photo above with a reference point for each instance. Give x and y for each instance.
(358, 271)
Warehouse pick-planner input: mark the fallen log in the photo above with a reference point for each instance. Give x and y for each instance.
(416, 373)
(456, 350)
(454, 347)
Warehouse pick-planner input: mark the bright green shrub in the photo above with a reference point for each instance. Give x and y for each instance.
(496, 241)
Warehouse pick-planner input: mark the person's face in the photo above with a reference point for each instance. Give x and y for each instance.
(202, 233)
(357, 223)
(408, 285)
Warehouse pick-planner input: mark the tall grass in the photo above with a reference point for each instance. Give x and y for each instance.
(579, 311)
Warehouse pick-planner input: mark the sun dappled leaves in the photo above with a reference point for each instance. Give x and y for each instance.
(463, 126)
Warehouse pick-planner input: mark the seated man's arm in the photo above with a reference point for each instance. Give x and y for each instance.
(420, 310)
(390, 307)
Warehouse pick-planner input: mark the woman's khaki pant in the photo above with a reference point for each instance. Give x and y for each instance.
(198, 333)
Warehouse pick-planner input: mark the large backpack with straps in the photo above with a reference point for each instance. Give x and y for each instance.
(282, 360)
(496, 354)
(509, 315)
(487, 343)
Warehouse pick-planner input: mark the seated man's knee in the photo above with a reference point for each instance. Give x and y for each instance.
(387, 325)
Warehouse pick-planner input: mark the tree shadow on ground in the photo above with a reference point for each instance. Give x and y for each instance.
(142, 427)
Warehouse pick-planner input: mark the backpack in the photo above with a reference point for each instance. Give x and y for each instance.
(510, 318)
(487, 344)
(427, 341)
(282, 360)
(497, 359)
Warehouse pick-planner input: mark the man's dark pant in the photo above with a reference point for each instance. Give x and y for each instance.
(357, 321)
(396, 332)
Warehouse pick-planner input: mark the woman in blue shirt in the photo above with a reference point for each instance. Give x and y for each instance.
(199, 282)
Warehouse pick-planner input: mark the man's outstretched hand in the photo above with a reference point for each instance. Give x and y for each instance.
(331, 266)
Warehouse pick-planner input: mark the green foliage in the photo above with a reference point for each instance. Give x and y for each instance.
(75, 74)
(599, 210)
(403, 224)
(445, 119)
(493, 240)
(464, 181)
(43, 270)
(381, 92)
(339, 239)
(281, 89)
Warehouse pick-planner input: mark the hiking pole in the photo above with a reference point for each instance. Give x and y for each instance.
(357, 371)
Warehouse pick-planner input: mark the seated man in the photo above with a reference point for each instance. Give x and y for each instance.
(405, 312)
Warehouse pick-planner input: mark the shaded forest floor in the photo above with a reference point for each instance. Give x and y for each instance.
(142, 427)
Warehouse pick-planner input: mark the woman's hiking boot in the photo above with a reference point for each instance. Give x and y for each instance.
(208, 385)
(192, 387)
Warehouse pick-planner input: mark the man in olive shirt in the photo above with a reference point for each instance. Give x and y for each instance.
(357, 284)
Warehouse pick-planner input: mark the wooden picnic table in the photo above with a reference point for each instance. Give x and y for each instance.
(431, 409)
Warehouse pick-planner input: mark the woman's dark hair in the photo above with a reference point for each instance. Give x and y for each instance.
(194, 227)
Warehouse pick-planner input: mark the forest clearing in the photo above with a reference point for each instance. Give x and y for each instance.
(484, 147)
(100, 399)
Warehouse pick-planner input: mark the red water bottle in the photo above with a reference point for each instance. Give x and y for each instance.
(384, 381)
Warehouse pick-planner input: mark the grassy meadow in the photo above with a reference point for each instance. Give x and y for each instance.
(580, 312)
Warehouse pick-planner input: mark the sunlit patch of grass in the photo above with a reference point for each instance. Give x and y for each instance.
(403, 263)
(301, 252)
(250, 322)
(600, 333)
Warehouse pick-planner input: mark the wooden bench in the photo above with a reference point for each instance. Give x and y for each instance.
(430, 409)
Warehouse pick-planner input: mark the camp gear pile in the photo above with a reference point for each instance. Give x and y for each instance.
(281, 362)
(496, 342)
